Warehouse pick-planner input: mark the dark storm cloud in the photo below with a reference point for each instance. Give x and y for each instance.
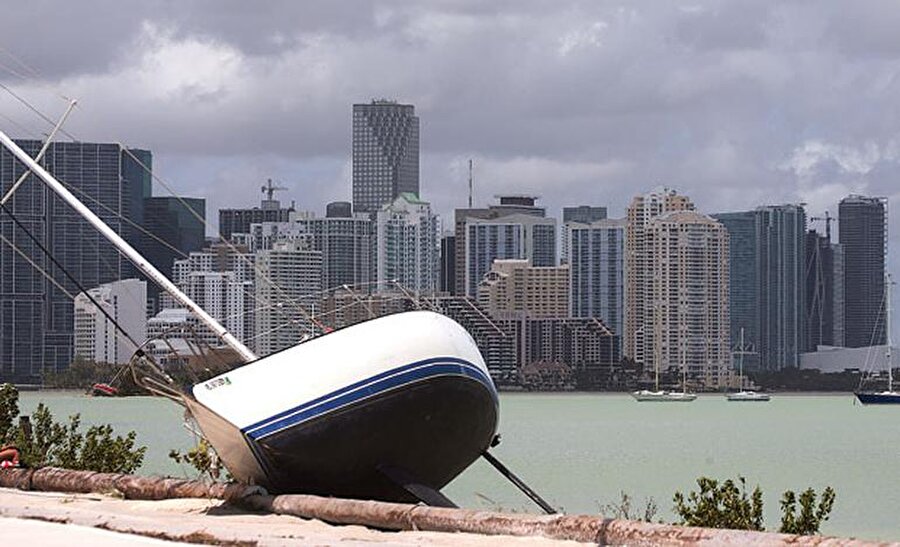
(736, 103)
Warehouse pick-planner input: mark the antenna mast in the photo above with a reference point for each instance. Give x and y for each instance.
(471, 188)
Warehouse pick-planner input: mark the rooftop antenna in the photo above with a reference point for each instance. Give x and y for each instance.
(471, 190)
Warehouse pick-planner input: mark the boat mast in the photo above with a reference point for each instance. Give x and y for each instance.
(126, 249)
(887, 321)
(741, 361)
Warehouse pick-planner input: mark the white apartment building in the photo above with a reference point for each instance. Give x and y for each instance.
(96, 338)
(407, 245)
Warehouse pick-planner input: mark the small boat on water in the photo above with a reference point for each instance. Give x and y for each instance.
(888, 396)
(645, 395)
(744, 395)
(100, 389)
(662, 396)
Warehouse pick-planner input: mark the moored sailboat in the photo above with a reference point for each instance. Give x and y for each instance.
(888, 396)
(744, 395)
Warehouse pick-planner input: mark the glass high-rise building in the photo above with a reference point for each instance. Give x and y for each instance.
(385, 153)
(862, 222)
(743, 291)
(36, 317)
(596, 254)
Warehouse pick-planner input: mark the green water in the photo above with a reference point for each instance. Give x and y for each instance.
(581, 450)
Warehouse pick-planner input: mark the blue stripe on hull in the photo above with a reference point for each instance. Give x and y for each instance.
(385, 381)
(879, 398)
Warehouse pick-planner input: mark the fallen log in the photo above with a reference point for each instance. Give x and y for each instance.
(398, 516)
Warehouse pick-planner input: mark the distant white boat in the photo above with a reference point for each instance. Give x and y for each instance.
(889, 396)
(662, 396)
(747, 396)
(744, 395)
(645, 395)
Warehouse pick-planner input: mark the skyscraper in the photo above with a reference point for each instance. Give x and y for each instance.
(385, 153)
(597, 265)
(174, 231)
(238, 221)
(743, 288)
(823, 270)
(584, 214)
(862, 222)
(781, 262)
(688, 290)
(639, 265)
(515, 288)
(288, 283)
(406, 244)
(36, 318)
(513, 228)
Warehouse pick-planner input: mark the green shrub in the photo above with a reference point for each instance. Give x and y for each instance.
(43, 442)
(727, 506)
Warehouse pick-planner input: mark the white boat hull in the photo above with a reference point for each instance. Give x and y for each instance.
(747, 396)
(645, 396)
(404, 395)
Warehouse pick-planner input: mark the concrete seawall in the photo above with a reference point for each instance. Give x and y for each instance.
(235, 501)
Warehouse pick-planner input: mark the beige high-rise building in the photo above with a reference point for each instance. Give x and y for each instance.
(515, 288)
(639, 263)
(689, 314)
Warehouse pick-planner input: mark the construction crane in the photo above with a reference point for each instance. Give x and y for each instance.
(828, 219)
(269, 189)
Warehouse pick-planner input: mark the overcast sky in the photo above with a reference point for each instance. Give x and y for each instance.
(735, 104)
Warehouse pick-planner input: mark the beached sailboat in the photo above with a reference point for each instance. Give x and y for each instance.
(888, 396)
(390, 409)
(744, 395)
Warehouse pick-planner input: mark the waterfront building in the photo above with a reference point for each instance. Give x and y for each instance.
(862, 223)
(515, 288)
(288, 288)
(688, 323)
(406, 244)
(513, 228)
(743, 291)
(36, 317)
(596, 252)
(96, 337)
(582, 214)
(639, 265)
(781, 263)
(832, 359)
(385, 153)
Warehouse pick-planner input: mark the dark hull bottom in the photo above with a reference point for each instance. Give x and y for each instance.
(428, 431)
(879, 398)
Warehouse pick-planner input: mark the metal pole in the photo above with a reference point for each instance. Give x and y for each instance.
(40, 155)
(126, 249)
(518, 482)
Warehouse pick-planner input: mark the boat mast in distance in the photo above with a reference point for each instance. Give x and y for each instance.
(744, 395)
(888, 397)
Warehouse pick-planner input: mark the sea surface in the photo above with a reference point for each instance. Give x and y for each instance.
(581, 451)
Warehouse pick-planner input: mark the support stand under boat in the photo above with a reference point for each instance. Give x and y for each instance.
(519, 483)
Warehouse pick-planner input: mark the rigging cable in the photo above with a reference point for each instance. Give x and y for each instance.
(71, 278)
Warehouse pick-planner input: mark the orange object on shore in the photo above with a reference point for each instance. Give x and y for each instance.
(9, 456)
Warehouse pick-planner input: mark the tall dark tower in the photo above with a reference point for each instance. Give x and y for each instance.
(36, 316)
(385, 153)
(863, 235)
